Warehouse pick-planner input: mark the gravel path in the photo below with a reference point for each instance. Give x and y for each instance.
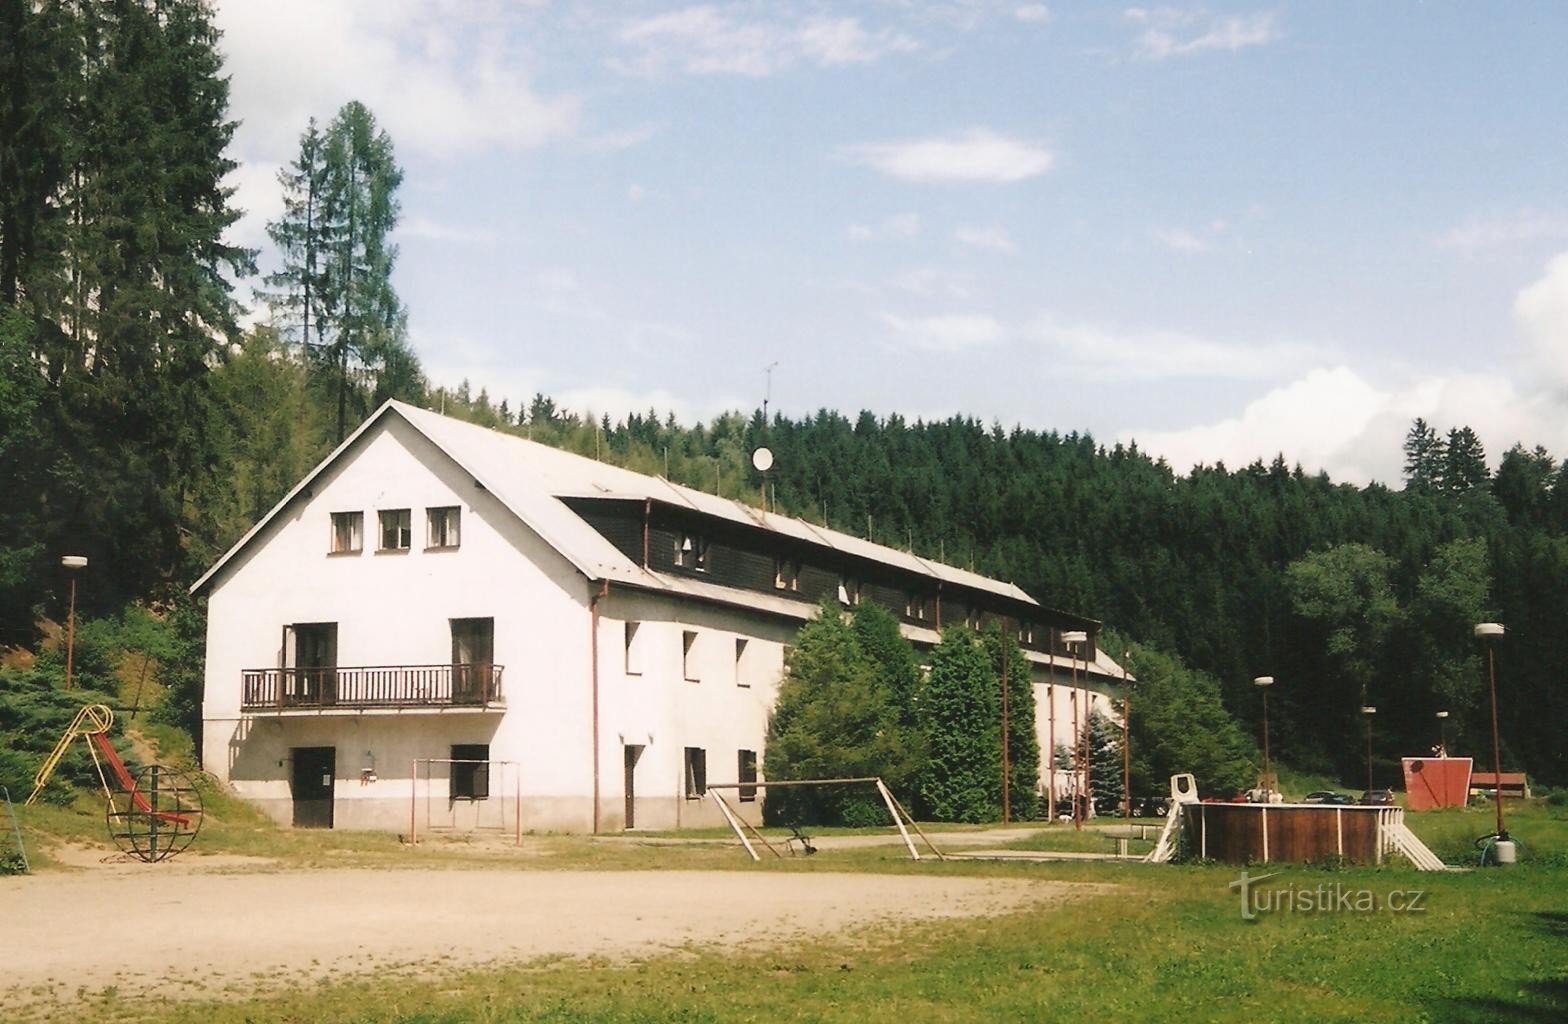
(190, 933)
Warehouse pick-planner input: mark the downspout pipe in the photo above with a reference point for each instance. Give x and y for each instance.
(593, 658)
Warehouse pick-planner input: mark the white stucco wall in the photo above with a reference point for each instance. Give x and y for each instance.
(394, 609)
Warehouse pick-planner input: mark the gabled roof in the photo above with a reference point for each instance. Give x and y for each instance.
(530, 479)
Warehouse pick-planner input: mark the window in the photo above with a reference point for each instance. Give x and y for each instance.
(848, 591)
(786, 574)
(746, 771)
(470, 771)
(689, 655)
(633, 661)
(740, 659)
(1026, 633)
(915, 607)
(441, 527)
(691, 552)
(348, 533)
(696, 772)
(397, 532)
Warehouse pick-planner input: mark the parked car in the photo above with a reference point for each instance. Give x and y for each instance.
(1328, 796)
(1378, 798)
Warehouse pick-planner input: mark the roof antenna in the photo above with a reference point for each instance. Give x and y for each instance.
(767, 392)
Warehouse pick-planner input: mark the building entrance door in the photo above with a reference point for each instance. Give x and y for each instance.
(310, 783)
(633, 752)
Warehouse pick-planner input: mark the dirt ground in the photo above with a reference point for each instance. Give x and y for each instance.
(210, 932)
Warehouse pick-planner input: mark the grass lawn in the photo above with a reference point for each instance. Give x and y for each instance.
(1171, 944)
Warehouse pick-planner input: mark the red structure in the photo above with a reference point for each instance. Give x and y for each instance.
(1435, 782)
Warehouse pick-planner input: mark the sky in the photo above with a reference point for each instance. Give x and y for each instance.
(1222, 232)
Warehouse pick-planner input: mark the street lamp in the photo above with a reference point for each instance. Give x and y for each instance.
(1442, 734)
(1488, 632)
(1076, 639)
(1263, 683)
(73, 563)
(1126, 740)
(1369, 711)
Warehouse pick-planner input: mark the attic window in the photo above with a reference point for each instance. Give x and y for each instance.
(786, 574)
(348, 533)
(397, 530)
(1026, 633)
(442, 527)
(915, 607)
(691, 552)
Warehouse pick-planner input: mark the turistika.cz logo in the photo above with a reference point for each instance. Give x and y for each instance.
(1323, 898)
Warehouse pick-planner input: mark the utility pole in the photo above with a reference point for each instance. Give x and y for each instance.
(1007, 773)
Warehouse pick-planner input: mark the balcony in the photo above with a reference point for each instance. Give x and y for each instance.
(372, 687)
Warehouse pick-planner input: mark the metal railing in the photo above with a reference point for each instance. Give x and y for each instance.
(371, 686)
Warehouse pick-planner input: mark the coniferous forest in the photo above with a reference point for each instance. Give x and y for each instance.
(142, 427)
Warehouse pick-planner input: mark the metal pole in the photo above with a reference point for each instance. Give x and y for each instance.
(1050, 775)
(1007, 814)
(70, 633)
(1126, 758)
(1268, 774)
(1369, 753)
(1497, 752)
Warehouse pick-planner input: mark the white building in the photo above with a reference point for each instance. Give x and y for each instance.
(608, 642)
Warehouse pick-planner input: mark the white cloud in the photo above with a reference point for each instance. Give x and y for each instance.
(1037, 14)
(994, 238)
(618, 402)
(1098, 352)
(900, 226)
(1169, 33)
(426, 230)
(559, 291)
(1335, 419)
(835, 41)
(947, 333)
(415, 64)
(1482, 233)
(258, 194)
(977, 155)
(930, 280)
(1541, 312)
(1181, 240)
(705, 40)
(610, 142)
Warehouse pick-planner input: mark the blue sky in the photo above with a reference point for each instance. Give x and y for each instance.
(1220, 231)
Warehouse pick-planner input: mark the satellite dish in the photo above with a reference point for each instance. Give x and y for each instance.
(762, 458)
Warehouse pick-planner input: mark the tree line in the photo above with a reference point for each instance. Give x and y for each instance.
(139, 425)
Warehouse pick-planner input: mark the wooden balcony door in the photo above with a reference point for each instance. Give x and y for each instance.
(473, 660)
(314, 660)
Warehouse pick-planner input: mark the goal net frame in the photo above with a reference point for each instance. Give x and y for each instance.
(746, 832)
(504, 792)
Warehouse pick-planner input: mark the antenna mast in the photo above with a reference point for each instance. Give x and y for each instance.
(767, 392)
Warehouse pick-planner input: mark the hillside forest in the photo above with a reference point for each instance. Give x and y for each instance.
(143, 427)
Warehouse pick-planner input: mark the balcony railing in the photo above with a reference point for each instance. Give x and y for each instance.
(372, 686)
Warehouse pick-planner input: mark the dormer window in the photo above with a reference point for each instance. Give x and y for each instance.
(1026, 634)
(691, 552)
(786, 574)
(915, 607)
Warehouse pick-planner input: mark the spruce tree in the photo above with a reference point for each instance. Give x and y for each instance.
(301, 236)
(1425, 455)
(360, 308)
(959, 710)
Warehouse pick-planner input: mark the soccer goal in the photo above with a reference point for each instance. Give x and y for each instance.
(745, 831)
(456, 795)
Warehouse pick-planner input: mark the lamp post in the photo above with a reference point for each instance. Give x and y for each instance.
(1442, 734)
(1368, 711)
(1488, 632)
(1126, 740)
(1076, 639)
(1263, 683)
(73, 563)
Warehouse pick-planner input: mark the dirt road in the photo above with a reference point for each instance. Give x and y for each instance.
(184, 934)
